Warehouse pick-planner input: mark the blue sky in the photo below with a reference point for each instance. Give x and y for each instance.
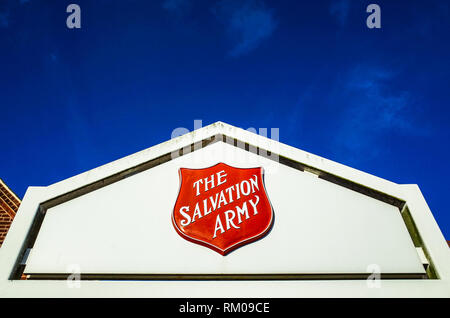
(373, 99)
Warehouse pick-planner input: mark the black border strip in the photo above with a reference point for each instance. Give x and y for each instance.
(324, 276)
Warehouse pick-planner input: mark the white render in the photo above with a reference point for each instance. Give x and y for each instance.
(319, 228)
(332, 228)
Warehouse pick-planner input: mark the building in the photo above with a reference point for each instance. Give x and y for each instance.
(223, 212)
(9, 204)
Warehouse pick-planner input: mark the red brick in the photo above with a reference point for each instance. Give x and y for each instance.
(6, 218)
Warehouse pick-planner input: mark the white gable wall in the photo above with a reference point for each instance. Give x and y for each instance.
(423, 218)
(320, 227)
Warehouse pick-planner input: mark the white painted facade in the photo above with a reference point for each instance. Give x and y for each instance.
(320, 228)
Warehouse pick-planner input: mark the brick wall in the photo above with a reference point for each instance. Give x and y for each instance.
(9, 204)
(5, 223)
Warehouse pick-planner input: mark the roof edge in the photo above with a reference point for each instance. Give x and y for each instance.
(9, 189)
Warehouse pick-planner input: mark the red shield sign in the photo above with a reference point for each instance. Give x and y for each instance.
(222, 207)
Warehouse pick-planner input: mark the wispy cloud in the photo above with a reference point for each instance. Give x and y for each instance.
(9, 6)
(248, 24)
(4, 19)
(372, 111)
(340, 10)
(382, 109)
(177, 6)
